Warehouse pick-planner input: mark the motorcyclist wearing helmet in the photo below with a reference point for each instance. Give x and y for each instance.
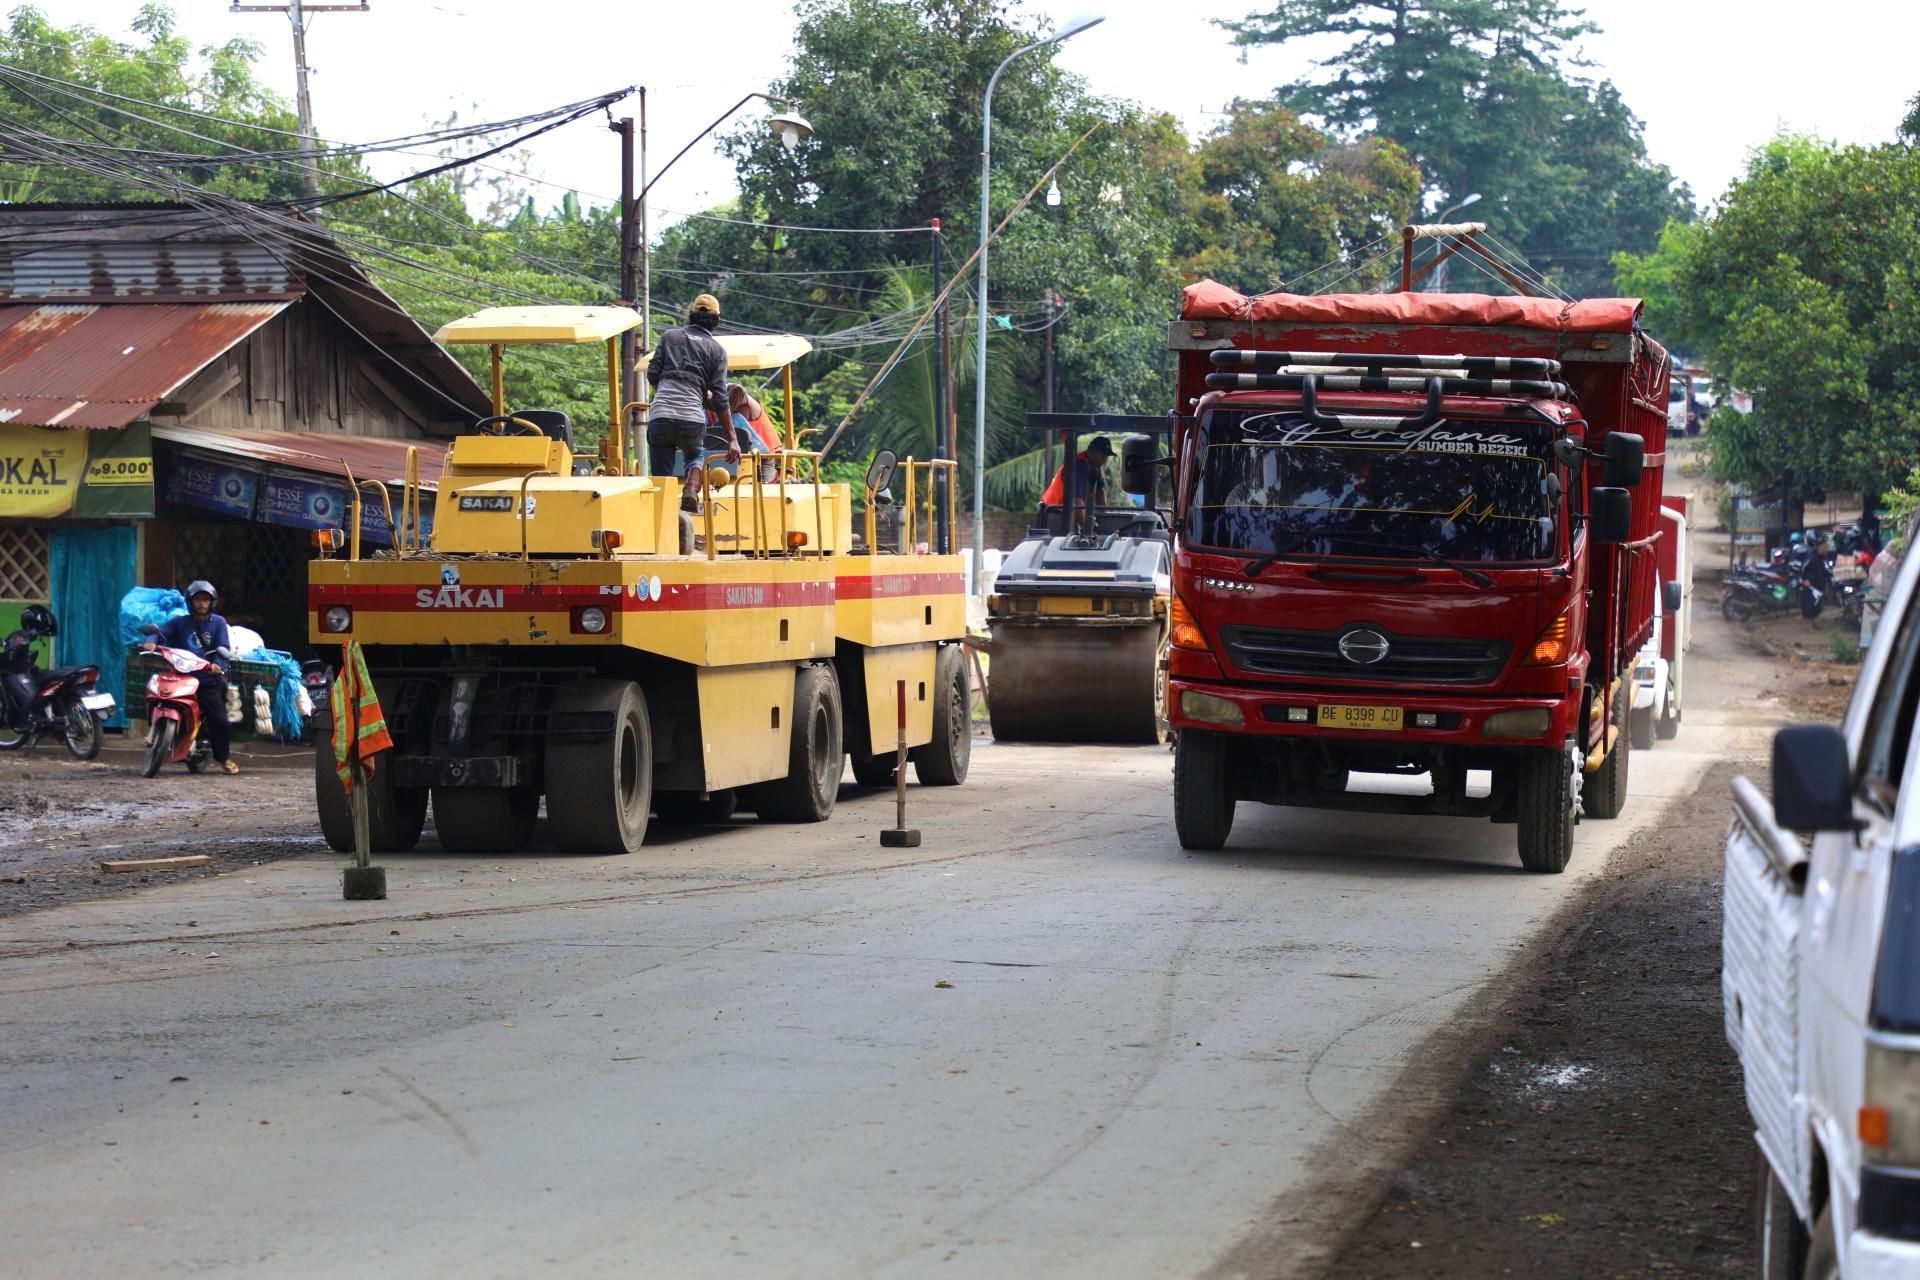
(203, 633)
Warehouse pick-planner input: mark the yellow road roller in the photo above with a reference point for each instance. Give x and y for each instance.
(566, 631)
(1078, 612)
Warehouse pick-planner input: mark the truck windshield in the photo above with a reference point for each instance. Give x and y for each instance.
(1465, 490)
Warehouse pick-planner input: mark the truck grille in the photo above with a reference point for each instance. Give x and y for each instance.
(1417, 659)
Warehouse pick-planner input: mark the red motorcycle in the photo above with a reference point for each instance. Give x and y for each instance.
(173, 712)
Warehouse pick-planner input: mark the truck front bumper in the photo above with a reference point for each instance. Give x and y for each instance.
(1427, 719)
(1876, 1257)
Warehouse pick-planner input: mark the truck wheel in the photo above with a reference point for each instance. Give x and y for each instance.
(394, 814)
(808, 791)
(1667, 727)
(1605, 793)
(874, 771)
(943, 761)
(1780, 1239)
(1202, 802)
(687, 806)
(1640, 727)
(599, 792)
(1545, 808)
(484, 819)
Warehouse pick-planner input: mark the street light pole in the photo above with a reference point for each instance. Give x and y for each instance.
(1072, 29)
(790, 125)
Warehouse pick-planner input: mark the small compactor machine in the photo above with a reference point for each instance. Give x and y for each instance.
(1079, 608)
(564, 632)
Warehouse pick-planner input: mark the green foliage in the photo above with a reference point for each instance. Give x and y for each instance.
(1804, 289)
(1477, 94)
(1844, 647)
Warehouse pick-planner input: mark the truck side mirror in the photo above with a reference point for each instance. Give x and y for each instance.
(1139, 455)
(1812, 781)
(1626, 458)
(1670, 597)
(1569, 453)
(1610, 515)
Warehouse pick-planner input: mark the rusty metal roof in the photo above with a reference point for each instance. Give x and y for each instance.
(161, 253)
(370, 457)
(69, 365)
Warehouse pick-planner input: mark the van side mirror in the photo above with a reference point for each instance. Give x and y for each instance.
(1139, 455)
(1812, 780)
(1626, 458)
(1671, 597)
(1610, 515)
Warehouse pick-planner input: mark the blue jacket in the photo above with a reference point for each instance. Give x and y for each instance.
(200, 639)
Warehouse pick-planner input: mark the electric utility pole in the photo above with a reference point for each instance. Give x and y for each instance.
(297, 11)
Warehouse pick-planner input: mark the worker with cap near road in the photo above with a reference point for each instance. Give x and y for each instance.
(1089, 477)
(688, 374)
(203, 633)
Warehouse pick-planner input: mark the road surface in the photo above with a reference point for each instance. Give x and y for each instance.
(1047, 1042)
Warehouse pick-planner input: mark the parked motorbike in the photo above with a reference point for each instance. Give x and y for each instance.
(36, 702)
(317, 679)
(173, 712)
(1767, 591)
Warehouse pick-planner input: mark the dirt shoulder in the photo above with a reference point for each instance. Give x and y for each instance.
(61, 817)
(1606, 1135)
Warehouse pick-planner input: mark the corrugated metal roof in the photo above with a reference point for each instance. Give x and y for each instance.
(139, 252)
(371, 457)
(103, 269)
(94, 366)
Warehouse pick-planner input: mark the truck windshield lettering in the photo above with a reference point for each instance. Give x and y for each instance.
(1474, 491)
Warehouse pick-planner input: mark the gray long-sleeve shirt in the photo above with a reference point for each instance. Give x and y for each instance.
(688, 373)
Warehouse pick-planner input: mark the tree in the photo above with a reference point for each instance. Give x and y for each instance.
(1478, 94)
(1803, 288)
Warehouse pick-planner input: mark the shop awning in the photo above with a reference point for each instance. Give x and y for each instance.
(370, 457)
(87, 365)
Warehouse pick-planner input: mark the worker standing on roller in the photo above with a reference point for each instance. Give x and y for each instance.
(688, 374)
(1089, 479)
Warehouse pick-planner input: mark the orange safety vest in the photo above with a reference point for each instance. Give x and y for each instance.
(359, 726)
(764, 430)
(1057, 487)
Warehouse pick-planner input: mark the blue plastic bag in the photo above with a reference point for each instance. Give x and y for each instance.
(147, 605)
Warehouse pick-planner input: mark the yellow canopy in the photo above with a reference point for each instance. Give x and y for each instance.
(540, 324)
(757, 350)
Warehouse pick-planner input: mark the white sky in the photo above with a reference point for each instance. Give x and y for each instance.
(1711, 78)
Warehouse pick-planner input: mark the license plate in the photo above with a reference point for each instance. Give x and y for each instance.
(1342, 715)
(98, 702)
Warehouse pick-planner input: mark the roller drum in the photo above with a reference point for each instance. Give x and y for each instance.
(1075, 680)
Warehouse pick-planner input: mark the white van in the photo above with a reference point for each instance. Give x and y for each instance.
(1821, 976)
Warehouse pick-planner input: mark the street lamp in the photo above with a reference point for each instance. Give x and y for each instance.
(1067, 32)
(789, 124)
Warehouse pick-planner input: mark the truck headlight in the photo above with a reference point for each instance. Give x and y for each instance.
(1527, 722)
(1209, 709)
(593, 620)
(337, 618)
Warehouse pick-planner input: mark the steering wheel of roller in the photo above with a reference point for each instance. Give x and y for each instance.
(499, 423)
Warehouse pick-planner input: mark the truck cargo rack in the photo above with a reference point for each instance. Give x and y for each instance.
(1245, 370)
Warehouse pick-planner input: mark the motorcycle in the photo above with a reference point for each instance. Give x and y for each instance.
(1767, 591)
(63, 700)
(173, 712)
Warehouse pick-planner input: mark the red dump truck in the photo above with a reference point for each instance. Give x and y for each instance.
(1416, 535)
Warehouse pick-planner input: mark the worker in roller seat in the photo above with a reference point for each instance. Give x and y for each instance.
(203, 633)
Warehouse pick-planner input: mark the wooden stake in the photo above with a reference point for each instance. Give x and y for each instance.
(157, 864)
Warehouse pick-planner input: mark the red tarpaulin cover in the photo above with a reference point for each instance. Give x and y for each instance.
(1211, 300)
